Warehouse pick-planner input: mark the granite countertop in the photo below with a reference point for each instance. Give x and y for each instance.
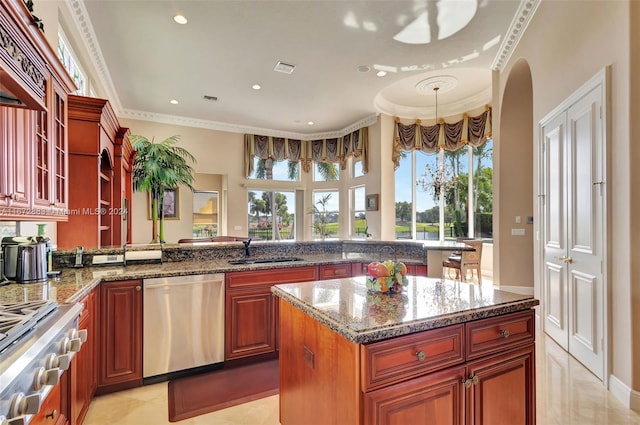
(346, 307)
(74, 283)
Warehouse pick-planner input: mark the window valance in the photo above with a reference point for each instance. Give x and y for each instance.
(472, 131)
(335, 150)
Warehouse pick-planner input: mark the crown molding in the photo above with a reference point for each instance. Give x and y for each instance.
(520, 21)
(233, 128)
(85, 28)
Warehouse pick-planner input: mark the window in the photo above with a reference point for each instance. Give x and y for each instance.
(325, 171)
(359, 228)
(263, 206)
(421, 178)
(357, 167)
(326, 213)
(205, 214)
(268, 169)
(68, 59)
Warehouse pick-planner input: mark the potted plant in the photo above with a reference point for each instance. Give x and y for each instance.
(158, 167)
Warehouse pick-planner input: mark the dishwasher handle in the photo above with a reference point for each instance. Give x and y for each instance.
(183, 280)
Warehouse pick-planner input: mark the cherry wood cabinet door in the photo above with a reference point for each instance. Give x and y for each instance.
(83, 371)
(15, 160)
(251, 312)
(502, 390)
(120, 346)
(434, 399)
(251, 318)
(50, 410)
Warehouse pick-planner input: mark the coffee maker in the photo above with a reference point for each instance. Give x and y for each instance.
(24, 258)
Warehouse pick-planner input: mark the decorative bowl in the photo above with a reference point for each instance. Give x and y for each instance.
(388, 277)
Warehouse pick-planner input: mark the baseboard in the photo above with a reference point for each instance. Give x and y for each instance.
(630, 398)
(526, 290)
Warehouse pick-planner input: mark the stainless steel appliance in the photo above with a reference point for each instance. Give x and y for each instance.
(38, 340)
(183, 323)
(25, 259)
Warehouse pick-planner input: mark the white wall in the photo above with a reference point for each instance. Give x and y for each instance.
(566, 44)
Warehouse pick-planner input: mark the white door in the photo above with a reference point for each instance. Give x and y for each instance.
(573, 224)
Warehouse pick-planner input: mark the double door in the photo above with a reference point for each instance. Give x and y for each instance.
(572, 207)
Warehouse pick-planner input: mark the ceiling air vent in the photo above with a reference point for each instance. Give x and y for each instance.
(211, 98)
(285, 68)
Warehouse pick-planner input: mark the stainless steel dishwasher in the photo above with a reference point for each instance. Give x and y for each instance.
(183, 323)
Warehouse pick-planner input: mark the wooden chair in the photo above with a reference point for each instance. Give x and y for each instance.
(466, 261)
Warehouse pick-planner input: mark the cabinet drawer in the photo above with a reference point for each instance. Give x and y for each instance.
(397, 359)
(334, 271)
(49, 412)
(270, 277)
(496, 334)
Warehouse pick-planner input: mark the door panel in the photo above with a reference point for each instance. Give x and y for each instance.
(573, 202)
(585, 210)
(555, 302)
(555, 309)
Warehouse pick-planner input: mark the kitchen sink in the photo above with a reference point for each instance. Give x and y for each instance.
(265, 260)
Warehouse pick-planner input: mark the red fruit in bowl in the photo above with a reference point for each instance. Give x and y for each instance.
(371, 267)
(377, 269)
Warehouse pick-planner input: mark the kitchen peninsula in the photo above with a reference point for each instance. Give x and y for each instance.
(442, 352)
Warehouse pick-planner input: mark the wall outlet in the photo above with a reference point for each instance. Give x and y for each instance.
(517, 232)
(518, 219)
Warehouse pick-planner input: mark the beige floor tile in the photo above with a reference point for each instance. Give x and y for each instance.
(567, 394)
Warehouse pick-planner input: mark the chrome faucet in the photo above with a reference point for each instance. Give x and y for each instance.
(246, 243)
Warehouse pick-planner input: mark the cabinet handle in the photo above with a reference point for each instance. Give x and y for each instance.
(472, 380)
(505, 333)
(53, 415)
(420, 355)
(138, 288)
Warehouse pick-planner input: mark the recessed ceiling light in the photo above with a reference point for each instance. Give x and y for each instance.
(173, 102)
(256, 87)
(180, 19)
(310, 122)
(381, 73)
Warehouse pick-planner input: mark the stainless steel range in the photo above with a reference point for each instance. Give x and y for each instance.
(38, 339)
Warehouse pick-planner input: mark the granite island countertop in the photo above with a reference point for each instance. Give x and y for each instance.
(74, 283)
(346, 307)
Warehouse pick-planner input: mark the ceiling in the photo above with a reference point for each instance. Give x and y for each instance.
(145, 59)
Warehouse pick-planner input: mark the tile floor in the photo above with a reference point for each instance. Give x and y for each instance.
(567, 394)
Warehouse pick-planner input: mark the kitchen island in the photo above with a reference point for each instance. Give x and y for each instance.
(441, 352)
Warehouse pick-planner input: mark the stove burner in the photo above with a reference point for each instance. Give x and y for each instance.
(17, 319)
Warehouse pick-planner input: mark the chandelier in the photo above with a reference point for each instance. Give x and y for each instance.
(437, 178)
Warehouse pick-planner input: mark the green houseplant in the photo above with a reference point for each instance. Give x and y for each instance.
(158, 167)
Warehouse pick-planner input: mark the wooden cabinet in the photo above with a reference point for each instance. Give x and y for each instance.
(502, 389)
(84, 369)
(251, 310)
(120, 343)
(100, 159)
(426, 377)
(334, 271)
(437, 398)
(15, 181)
(33, 139)
(51, 410)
